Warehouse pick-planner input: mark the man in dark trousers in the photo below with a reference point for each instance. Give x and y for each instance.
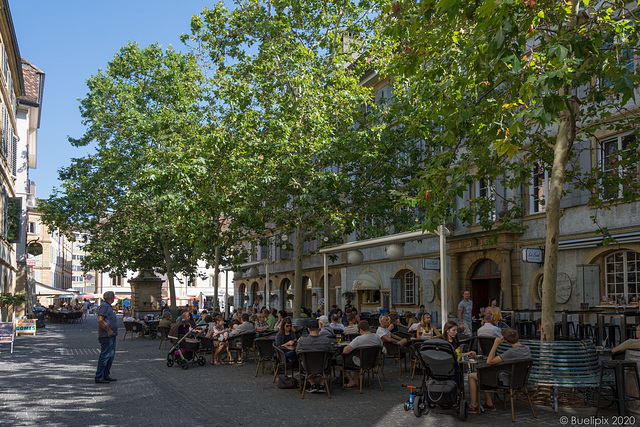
(107, 332)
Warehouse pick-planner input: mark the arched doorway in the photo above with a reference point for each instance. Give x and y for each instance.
(307, 297)
(332, 290)
(255, 293)
(242, 292)
(485, 284)
(287, 293)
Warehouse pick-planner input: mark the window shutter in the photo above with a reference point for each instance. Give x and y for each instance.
(5, 130)
(5, 212)
(396, 290)
(589, 283)
(416, 290)
(14, 154)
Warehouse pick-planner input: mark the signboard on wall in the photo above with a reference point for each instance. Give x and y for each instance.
(533, 255)
(431, 263)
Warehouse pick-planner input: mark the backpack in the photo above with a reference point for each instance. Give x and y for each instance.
(287, 382)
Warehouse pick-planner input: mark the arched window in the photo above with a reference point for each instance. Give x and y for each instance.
(622, 283)
(404, 288)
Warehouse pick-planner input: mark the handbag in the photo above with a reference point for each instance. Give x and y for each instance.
(287, 382)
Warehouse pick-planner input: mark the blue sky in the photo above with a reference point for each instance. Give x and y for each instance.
(69, 40)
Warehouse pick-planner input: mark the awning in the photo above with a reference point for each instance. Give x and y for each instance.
(367, 282)
(43, 290)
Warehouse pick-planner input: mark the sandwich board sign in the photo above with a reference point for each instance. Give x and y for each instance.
(7, 333)
(26, 326)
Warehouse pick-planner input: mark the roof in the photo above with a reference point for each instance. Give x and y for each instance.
(33, 82)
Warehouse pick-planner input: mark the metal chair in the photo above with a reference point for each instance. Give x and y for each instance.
(491, 379)
(313, 364)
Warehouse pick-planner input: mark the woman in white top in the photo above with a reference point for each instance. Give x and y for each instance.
(426, 329)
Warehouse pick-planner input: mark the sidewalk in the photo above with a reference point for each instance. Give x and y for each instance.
(49, 380)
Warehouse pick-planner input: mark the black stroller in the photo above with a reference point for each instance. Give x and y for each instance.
(185, 351)
(442, 382)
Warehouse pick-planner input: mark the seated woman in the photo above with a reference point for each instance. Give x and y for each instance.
(219, 335)
(451, 335)
(425, 329)
(410, 320)
(286, 338)
(281, 316)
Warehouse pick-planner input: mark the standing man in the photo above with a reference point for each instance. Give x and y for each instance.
(107, 333)
(464, 313)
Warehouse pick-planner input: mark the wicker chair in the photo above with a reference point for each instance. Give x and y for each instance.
(242, 345)
(369, 364)
(313, 364)
(133, 329)
(264, 346)
(280, 361)
(394, 351)
(489, 381)
(164, 336)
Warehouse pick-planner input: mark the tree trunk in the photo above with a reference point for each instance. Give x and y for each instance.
(297, 278)
(216, 274)
(564, 141)
(170, 277)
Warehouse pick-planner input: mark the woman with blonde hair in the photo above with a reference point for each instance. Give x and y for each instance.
(426, 329)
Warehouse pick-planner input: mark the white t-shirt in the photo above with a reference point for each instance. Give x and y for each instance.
(382, 332)
(366, 340)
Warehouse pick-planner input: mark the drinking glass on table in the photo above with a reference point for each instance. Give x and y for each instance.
(339, 338)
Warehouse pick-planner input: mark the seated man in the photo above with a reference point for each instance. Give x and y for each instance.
(353, 327)
(630, 343)
(166, 321)
(516, 353)
(325, 327)
(311, 343)
(337, 327)
(488, 329)
(261, 324)
(244, 327)
(366, 339)
(386, 335)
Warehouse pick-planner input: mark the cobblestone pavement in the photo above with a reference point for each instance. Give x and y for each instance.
(48, 380)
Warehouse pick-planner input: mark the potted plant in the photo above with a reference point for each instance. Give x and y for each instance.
(349, 296)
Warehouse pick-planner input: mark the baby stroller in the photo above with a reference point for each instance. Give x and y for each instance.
(184, 352)
(442, 382)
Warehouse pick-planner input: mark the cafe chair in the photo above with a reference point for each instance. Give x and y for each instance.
(394, 351)
(485, 344)
(242, 345)
(264, 346)
(315, 364)
(280, 362)
(164, 336)
(133, 329)
(350, 337)
(369, 364)
(492, 379)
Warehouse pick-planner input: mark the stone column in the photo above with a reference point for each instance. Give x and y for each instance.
(339, 301)
(454, 293)
(505, 279)
(146, 294)
(314, 299)
(279, 305)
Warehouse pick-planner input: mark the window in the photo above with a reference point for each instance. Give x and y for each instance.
(404, 288)
(539, 189)
(191, 281)
(77, 267)
(78, 279)
(484, 189)
(613, 152)
(116, 280)
(32, 227)
(622, 283)
(77, 257)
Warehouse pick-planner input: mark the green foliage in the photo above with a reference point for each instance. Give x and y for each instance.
(12, 300)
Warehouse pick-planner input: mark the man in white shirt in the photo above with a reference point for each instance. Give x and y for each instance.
(386, 335)
(488, 329)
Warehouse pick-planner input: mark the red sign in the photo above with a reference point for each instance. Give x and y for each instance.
(32, 263)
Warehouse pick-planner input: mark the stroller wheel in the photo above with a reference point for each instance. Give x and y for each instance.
(464, 410)
(185, 366)
(169, 361)
(418, 406)
(202, 361)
